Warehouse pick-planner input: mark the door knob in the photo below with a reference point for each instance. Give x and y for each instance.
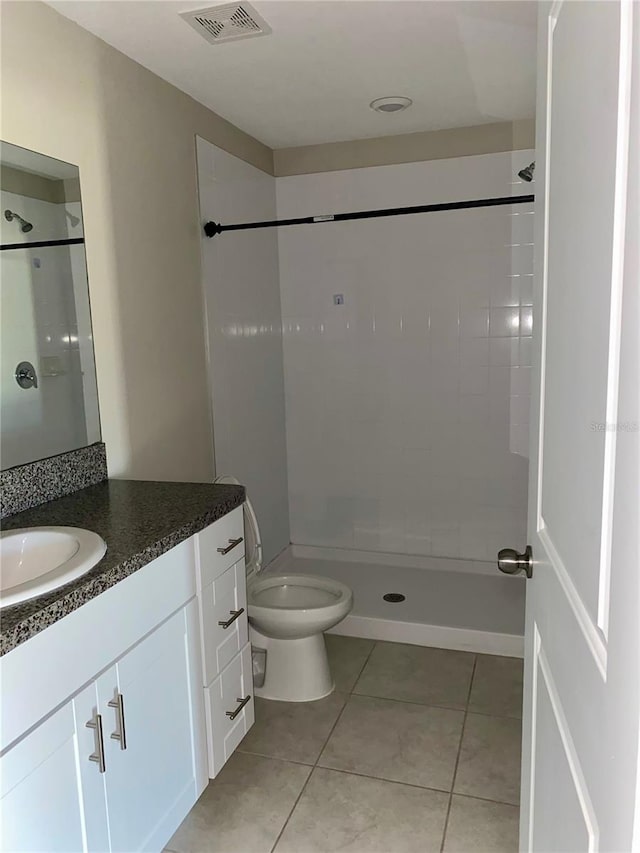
(511, 563)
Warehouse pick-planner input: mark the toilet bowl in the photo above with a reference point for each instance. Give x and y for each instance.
(288, 614)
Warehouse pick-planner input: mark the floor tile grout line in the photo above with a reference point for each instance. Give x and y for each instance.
(411, 702)
(276, 758)
(377, 779)
(384, 779)
(348, 695)
(487, 800)
(475, 713)
(327, 739)
(362, 668)
(455, 767)
(420, 704)
(293, 808)
(459, 709)
(313, 767)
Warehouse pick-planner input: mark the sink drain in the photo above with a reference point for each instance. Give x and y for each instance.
(394, 597)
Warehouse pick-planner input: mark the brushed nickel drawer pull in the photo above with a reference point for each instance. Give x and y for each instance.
(120, 733)
(233, 714)
(232, 544)
(98, 755)
(234, 615)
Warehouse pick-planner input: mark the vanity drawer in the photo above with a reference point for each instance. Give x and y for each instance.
(225, 535)
(224, 697)
(221, 601)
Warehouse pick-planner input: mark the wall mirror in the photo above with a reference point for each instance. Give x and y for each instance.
(48, 393)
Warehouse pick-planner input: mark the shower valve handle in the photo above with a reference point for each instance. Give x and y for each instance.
(26, 375)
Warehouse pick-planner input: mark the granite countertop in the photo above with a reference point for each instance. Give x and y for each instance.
(138, 520)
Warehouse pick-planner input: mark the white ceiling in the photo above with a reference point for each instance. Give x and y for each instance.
(311, 80)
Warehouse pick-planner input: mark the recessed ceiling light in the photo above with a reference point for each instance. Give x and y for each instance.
(390, 105)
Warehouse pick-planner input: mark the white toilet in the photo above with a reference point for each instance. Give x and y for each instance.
(287, 617)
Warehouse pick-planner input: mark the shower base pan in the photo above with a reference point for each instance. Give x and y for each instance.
(431, 601)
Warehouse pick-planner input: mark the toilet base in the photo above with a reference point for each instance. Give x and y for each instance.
(297, 670)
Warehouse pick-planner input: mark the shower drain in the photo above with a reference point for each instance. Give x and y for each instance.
(394, 597)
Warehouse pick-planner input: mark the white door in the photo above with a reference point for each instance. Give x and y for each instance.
(153, 699)
(580, 761)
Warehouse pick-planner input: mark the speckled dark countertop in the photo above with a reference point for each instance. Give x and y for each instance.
(138, 520)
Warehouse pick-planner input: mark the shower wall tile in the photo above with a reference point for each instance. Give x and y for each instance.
(407, 405)
(244, 328)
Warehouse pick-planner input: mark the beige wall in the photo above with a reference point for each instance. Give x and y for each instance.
(407, 148)
(69, 95)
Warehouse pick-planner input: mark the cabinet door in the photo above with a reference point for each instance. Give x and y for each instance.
(90, 733)
(230, 710)
(157, 772)
(41, 803)
(223, 609)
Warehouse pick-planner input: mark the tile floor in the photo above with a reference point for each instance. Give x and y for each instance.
(417, 750)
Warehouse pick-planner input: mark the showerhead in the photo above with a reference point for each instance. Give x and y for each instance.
(526, 174)
(25, 226)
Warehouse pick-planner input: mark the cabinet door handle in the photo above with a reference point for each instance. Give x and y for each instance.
(97, 756)
(232, 544)
(120, 733)
(234, 615)
(233, 714)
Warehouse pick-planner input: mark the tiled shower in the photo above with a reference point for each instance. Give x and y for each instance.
(405, 367)
(407, 403)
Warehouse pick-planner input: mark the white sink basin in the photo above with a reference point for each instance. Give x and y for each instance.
(35, 560)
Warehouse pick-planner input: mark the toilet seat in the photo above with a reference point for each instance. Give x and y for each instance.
(299, 592)
(294, 606)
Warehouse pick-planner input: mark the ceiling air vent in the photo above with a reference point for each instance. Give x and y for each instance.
(230, 22)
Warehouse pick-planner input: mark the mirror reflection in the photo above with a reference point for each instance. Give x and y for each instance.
(48, 393)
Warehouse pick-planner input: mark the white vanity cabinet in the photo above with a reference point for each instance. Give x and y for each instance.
(227, 675)
(145, 702)
(105, 741)
(117, 767)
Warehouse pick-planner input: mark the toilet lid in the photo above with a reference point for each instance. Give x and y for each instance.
(253, 542)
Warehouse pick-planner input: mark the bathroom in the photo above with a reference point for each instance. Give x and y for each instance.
(374, 384)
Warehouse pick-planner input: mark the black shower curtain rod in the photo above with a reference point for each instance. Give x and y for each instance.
(213, 228)
(43, 244)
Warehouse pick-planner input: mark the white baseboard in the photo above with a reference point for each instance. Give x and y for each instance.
(439, 636)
